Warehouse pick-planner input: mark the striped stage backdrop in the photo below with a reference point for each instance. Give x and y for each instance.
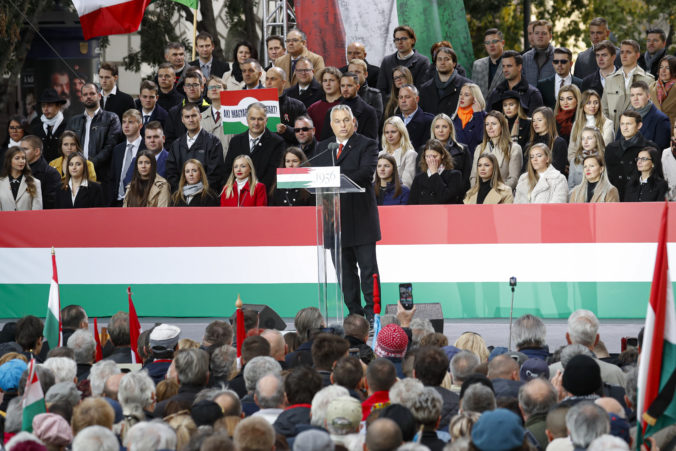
(192, 262)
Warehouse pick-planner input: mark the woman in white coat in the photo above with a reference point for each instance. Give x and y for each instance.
(19, 190)
(542, 183)
(397, 143)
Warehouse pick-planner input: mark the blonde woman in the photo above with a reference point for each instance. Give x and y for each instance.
(595, 186)
(397, 144)
(469, 116)
(490, 189)
(590, 115)
(243, 188)
(473, 342)
(591, 143)
(542, 183)
(442, 129)
(193, 188)
(497, 141)
(566, 107)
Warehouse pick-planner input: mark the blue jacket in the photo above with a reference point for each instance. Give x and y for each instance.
(473, 133)
(656, 128)
(386, 196)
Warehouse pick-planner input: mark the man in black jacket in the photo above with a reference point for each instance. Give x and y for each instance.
(357, 157)
(194, 88)
(406, 55)
(549, 87)
(51, 124)
(50, 179)
(357, 51)
(367, 118)
(289, 109)
(99, 131)
(199, 144)
(441, 93)
(264, 147)
(118, 329)
(370, 95)
(149, 107)
(205, 60)
(168, 96)
(418, 122)
(656, 46)
(112, 98)
(512, 65)
(307, 90)
(304, 130)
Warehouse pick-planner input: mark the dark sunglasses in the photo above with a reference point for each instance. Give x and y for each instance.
(302, 129)
(560, 61)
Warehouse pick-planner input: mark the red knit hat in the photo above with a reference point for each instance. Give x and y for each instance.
(392, 341)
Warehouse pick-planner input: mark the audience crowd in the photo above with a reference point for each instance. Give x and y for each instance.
(542, 126)
(320, 388)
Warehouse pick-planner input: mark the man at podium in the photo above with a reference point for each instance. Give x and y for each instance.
(357, 157)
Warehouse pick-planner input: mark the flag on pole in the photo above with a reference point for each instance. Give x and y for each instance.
(192, 4)
(97, 338)
(657, 368)
(134, 330)
(235, 103)
(52, 330)
(33, 402)
(105, 17)
(241, 333)
(376, 310)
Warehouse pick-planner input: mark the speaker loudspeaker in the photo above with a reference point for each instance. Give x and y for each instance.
(427, 310)
(267, 317)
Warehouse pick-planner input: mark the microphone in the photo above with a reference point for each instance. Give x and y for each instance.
(332, 147)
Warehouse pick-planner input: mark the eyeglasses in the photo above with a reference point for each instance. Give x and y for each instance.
(214, 88)
(643, 159)
(291, 41)
(398, 77)
(402, 39)
(12, 127)
(302, 129)
(192, 85)
(492, 41)
(560, 61)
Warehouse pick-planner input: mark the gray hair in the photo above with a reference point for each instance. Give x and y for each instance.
(64, 369)
(345, 108)
(459, 444)
(135, 393)
(45, 375)
(14, 415)
(537, 396)
(631, 385)
(307, 320)
(302, 35)
(272, 400)
(529, 331)
(95, 437)
(478, 398)
(583, 326)
(210, 394)
(305, 117)
(426, 407)
(420, 327)
(281, 72)
(63, 391)
(223, 363)
(585, 422)
(462, 365)
(257, 105)
(22, 437)
(83, 345)
(320, 403)
(192, 366)
(257, 368)
(118, 329)
(413, 89)
(608, 443)
(405, 391)
(99, 373)
(150, 436)
(571, 351)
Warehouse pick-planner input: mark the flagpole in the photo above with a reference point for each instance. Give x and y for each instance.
(194, 32)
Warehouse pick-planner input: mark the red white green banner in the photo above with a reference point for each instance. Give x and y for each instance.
(235, 103)
(318, 177)
(105, 17)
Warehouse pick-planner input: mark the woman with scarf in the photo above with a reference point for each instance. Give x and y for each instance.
(233, 79)
(543, 131)
(590, 114)
(661, 92)
(497, 142)
(438, 182)
(595, 186)
(469, 116)
(591, 143)
(193, 188)
(565, 111)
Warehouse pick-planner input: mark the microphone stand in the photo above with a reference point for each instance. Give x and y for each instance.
(512, 284)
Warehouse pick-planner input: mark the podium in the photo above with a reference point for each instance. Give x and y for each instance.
(327, 184)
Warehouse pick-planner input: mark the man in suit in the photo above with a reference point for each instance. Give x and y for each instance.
(51, 124)
(615, 100)
(193, 88)
(605, 62)
(50, 179)
(276, 49)
(252, 71)
(512, 63)
(357, 157)
(549, 87)
(587, 63)
(211, 117)
(205, 61)
(366, 116)
(264, 147)
(537, 62)
(655, 124)
(289, 109)
(656, 47)
(99, 131)
(296, 47)
(307, 90)
(199, 144)
(487, 72)
(112, 98)
(418, 122)
(147, 104)
(304, 130)
(125, 153)
(153, 139)
(168, 96)
(370, 95)
(357, 51)
(440, 94)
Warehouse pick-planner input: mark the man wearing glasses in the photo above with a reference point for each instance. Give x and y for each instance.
(307, 90)
(549, 87)
(487, 72)
(193, 88)
(406, 55)
(296, 47)
(304, 129)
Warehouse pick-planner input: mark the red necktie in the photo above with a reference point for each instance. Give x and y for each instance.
(218, 116)
(340, 149)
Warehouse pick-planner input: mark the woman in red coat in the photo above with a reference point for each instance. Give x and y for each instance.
(242, 188)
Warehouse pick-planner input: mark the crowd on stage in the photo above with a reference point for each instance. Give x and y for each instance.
(541, 126)
(319, 387)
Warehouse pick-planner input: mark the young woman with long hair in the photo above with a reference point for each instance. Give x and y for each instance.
(469, 115)
(543, 131)
(567, 104)
(19, 190)
(591, 143)
(389, 190)
(396, 142)
(590, 114)
(490, 188)
(442, 129)
(497, 141)
(401, 75)
(243, 188)
(595, 186)
(438, 182)
(70, 144)
(193, 187)
(78, 190)
(647, 184)
(518, 121)
(147, 187)
(542, 183)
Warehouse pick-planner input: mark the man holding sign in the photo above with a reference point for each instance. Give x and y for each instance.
(357, 157)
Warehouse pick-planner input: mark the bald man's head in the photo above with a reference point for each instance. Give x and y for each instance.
(503, 367)
(278, 346)
(611, 405)
(383, 435)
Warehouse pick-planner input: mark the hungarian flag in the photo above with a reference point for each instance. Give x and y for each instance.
(33, 402)
(52, 330)
(192, 4)
(134, 330)
(105, 17)
(235, 103)
(657, 368)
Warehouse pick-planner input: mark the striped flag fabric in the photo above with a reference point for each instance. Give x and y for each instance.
(33, 402)
(106, 17)
(134, 330)
(657, 368)
(52, 330)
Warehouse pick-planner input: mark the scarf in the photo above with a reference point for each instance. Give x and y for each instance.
(649, 59)
(444, 87)
(627, 143)
(236, 71)
(192, 190)
(663, 89)
(54, 122)
(565, 121)
(643, 111)
(465, 114)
